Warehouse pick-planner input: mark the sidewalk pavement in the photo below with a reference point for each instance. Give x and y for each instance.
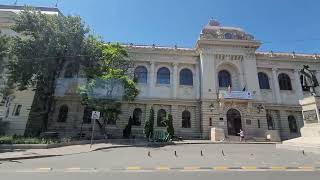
(16, 154)
(60, 151)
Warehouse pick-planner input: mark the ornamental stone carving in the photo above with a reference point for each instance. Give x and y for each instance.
(214, 31)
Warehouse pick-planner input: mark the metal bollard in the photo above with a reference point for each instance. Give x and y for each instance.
(201, 153)
(303, 152)
(175, 153)
(223, 153)
(149, 154)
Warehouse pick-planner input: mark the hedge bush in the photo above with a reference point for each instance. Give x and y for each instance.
(29, 140)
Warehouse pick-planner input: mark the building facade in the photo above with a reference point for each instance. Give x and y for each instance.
(223, 82)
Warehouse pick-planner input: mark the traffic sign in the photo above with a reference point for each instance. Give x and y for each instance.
(95, 115)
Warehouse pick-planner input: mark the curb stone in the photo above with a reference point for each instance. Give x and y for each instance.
(27, 157)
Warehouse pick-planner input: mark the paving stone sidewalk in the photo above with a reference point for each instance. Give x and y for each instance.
(15, 154)
(60, 151)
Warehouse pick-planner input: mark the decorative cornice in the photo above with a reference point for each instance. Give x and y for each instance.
(228, 57)
(287, 56)
(146, 49)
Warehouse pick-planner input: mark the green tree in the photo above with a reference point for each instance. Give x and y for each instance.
(44, 45)
(169, 125)
(7, 88)
(4, 47)
(108, 69)
(148, 127)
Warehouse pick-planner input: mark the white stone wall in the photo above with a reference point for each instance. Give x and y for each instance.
(17, 123)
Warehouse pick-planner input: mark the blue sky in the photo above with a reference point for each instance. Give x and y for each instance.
(281, 25)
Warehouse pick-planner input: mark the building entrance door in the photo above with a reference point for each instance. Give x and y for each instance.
(234, 122)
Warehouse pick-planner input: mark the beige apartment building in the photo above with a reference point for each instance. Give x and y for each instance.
(222, 82)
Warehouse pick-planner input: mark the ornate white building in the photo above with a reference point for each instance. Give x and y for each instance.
(223, 82)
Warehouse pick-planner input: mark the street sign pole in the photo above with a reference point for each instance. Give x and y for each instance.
(93, 125)
(94, 116)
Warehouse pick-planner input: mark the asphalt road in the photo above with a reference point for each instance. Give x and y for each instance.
(217, 161)
(167, 175)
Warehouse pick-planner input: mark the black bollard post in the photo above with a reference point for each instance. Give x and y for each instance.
(222, 153)
(303, 152)
(175, 153)
(201, 153)
(149, 154)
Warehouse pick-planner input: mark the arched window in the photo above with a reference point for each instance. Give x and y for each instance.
(63, 113)
(263, 81)
(141, 74)
(163, 76)
(87, 115)
(304, 88)
(292, 124)
(68, 73)
(284, 82)
(224, 78)
(161, 117)
(137, 117)
(270, 122)
(186, 77)
(111, 117)
(228, 36)
(186, 119)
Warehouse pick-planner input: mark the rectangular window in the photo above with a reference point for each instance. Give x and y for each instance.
(7, 112)
(18, 109)
(14, 110)
(258, 123)
(210, 121)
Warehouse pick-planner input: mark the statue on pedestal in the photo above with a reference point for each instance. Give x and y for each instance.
(309, 80)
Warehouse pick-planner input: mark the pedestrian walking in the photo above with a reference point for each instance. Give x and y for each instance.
(241, 133)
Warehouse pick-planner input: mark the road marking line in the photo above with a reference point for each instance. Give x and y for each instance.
(278, 168)
(249, 167)
(191, 168)
(306, 167)
(45, 169)
(220, 168)
(133, 168)
(73, 168)
(162, 168)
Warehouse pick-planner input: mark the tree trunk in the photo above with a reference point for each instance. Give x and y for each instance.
(43, 101)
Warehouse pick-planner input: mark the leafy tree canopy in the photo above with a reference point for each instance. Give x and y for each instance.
(6, 89)
(110, 71)
(45, 43)
(4, 47)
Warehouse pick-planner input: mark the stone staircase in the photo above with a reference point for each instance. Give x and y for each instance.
(247, 139)
(309, 144)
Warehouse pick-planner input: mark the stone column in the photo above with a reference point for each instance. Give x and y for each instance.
(208, 81)
(276, 88)
(175, 80)
(298, 87)
(152, 76)
(196, 81)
